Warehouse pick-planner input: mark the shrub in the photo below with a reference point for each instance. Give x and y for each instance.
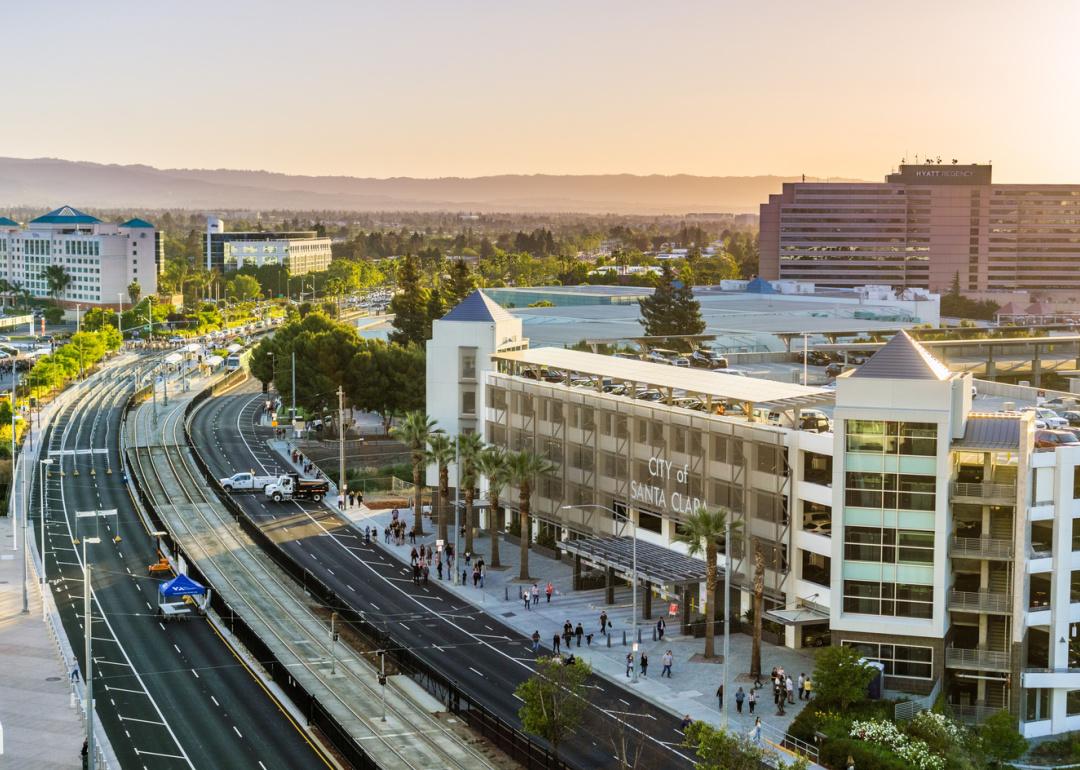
(1000, 739)
(914, 751)
(840, 676)
(834, 754)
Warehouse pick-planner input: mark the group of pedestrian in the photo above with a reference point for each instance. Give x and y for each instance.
(397, 530)
(643, 663)
(355, 498)
(785, 689)
(421, 565)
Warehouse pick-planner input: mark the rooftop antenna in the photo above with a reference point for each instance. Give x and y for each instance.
(804, 177)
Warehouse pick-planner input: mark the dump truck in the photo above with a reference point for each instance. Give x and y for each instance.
(292, 486)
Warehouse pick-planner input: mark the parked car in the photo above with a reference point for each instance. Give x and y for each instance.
(818, 358)
(661, 356)
(1072, 417)
(1062, 402)
(1052, 439)
(707, 359)
(682, 362)
(834, 369)
(648, 395)
(1048, 416)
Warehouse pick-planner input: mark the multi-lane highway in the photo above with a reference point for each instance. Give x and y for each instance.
(487, 659)
(168, 695)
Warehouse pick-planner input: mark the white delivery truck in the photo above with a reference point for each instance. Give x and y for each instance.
(292, 487)
(246, 482)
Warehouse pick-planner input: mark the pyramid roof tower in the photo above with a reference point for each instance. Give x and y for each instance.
(478, 306)
(902, 358)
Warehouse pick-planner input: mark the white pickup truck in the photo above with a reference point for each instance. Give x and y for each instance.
(247, 482)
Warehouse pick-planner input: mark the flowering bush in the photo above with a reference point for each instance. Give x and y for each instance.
(939, 732)
(912, 750)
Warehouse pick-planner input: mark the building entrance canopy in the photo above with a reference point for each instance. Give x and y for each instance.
(803, 615)
(655, 564)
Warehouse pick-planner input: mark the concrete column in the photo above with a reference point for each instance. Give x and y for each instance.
(609, 585)
(577, 572)
(991, 365)
(648, 601)
(1036, 368)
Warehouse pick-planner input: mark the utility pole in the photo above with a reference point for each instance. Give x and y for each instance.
(333, 644)
(45, 465)
(342, 485)
(89, 668)
(120, 318)
(457, 507)
(78, 318)
(294, 385)
(727, 619)
(25, 515)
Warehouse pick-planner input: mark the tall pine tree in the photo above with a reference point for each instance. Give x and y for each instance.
(436, 309)
(462, 281)
(672, 309)
(409, 305)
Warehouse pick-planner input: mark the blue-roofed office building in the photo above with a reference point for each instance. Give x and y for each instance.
(102, 259)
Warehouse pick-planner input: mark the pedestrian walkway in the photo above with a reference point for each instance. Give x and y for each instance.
(692, 687)
(41, 729)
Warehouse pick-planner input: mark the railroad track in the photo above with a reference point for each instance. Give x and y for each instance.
(226, 560)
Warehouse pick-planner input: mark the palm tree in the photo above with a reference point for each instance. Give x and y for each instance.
(469, 446)
(524, 467)
(57, 278)
(413, 432)
(759, 601)
(492, 464)
(441, 452)
(702, 532)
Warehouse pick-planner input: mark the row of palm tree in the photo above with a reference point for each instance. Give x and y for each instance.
(431, 446)
(703, 532)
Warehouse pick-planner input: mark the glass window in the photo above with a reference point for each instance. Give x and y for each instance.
(468, 363)
(650, 522)
(817, 518)
(468, 402)
(905, 438)
(898, 659)
(816, 568)
(817, 468)
(767, 459)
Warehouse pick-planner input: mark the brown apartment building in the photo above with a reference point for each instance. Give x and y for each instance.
(922, 227)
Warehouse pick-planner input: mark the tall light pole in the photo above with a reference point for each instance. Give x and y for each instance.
(633, 627)
(120, 317)
(805, 352)
(78, 318)
(294, 385)
(457, 505)
(343, 486)
(88, 639)
(46, 463)
(726, 702)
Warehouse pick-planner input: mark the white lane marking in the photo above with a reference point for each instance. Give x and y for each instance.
(196, 673)
(237, 731)
(177, 650)
(215, 701)
(481, 673)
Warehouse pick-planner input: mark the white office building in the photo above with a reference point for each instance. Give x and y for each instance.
(301, 251)
(936, 539)
(101, 259)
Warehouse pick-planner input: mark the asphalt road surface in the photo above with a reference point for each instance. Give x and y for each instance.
(169, 695)
(487, 659)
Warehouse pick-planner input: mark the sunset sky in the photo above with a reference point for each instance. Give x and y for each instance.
(454, 87)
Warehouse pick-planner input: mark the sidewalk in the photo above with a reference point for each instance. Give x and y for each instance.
(692, 687)
(41, 729)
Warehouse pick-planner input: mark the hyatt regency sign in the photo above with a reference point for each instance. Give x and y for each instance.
(653, 492)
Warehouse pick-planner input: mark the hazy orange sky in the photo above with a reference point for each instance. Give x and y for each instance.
(464, 88)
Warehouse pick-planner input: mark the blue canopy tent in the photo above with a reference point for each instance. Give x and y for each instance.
(173, 597)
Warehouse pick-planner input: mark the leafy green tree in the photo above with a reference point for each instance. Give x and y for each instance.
(718, 749)
(436, 309)
(243, 288)
(492, 465)
(462, 281)
(470, 445)
(1001, 741)
(387, 378)
(840, 676)
(553, 699)
(134, 291)
(671, 310)
(440, 453)
(410, 305)
(413, 432)
(523, 467)
(57, 279)
(703, 534)
(98, 317)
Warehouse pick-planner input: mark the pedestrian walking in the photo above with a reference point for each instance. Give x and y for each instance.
(667, 660)
(482, 573)
(660, 626)
(720, 695)
(800, 683)
(438, 568)
(360, 498)
(644, 664)
(751, 700)
(536, 594)
(536, 640)
(549, 589)
(685, 722)
(755, 732)
(603, 623)
(526, 595)
(740, 696)
(475, 576)
(808, 688)
(464, 576)
(629, 663)
(579, 632)
(555, 641)
(789, 687)
(850, 764)
(427, 571)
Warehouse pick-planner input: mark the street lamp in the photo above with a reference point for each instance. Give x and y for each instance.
(41, 495)
(88, 638)
(120, 317)
(633, 628)
(457, 505)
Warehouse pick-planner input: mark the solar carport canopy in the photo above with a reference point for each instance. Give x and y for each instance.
(706, 382)
(655, 564)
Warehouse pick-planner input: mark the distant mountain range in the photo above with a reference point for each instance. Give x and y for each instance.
(48, 182)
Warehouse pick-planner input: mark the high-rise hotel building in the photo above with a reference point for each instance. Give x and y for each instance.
(925, 226)
(101, 259)
(934, 538)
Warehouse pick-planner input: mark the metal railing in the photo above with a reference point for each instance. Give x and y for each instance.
(907, 709)
(979, 601)
(990, 660)
(974, 713)
(981, 547)
(982, 489)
